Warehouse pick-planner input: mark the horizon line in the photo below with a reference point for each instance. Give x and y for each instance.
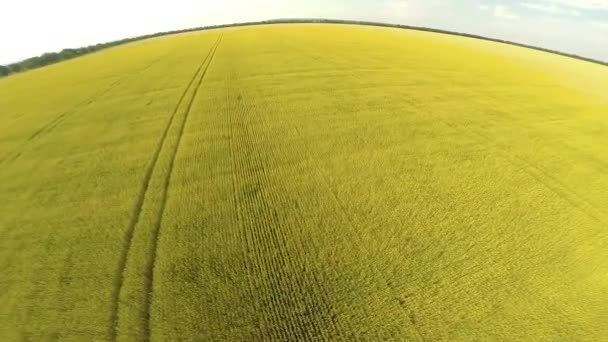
(102, 46)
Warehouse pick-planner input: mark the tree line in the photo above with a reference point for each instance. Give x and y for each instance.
(65, 54)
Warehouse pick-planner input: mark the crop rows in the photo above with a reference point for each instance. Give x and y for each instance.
(298, 212)
(308, 182)
(137, 266)
(50, 266)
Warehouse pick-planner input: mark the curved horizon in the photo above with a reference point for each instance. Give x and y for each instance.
(100, 46)
(577, 27)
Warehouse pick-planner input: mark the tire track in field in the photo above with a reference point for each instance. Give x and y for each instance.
(139, 202)
(53, 123)
(45, 130)
(155, 231)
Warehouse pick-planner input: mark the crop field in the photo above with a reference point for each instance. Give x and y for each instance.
(305, 182)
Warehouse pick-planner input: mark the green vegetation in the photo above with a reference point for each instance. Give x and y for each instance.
(305, 182)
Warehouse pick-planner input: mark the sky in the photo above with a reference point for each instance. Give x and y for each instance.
(32, 27)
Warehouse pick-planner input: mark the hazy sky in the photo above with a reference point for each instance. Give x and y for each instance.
(31, 27)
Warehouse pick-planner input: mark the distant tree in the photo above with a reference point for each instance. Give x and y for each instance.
(4, 70)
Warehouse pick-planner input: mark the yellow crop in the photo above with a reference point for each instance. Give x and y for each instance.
(305, 182)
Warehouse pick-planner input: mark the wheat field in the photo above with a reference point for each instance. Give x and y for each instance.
(305, 182)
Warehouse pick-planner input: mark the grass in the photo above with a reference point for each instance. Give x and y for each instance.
(305, 182)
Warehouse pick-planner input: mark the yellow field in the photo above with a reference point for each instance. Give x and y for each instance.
(305, 182)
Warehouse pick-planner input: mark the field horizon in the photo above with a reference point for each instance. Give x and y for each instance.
(50, 58)
(305, 181)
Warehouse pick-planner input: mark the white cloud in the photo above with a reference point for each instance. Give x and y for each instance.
(398, 7)
(570, 35)
(554, 7)
(600, 24)
(543, 8)
(504, 12)
(413, 12)
(582, 4)
(65, 23)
